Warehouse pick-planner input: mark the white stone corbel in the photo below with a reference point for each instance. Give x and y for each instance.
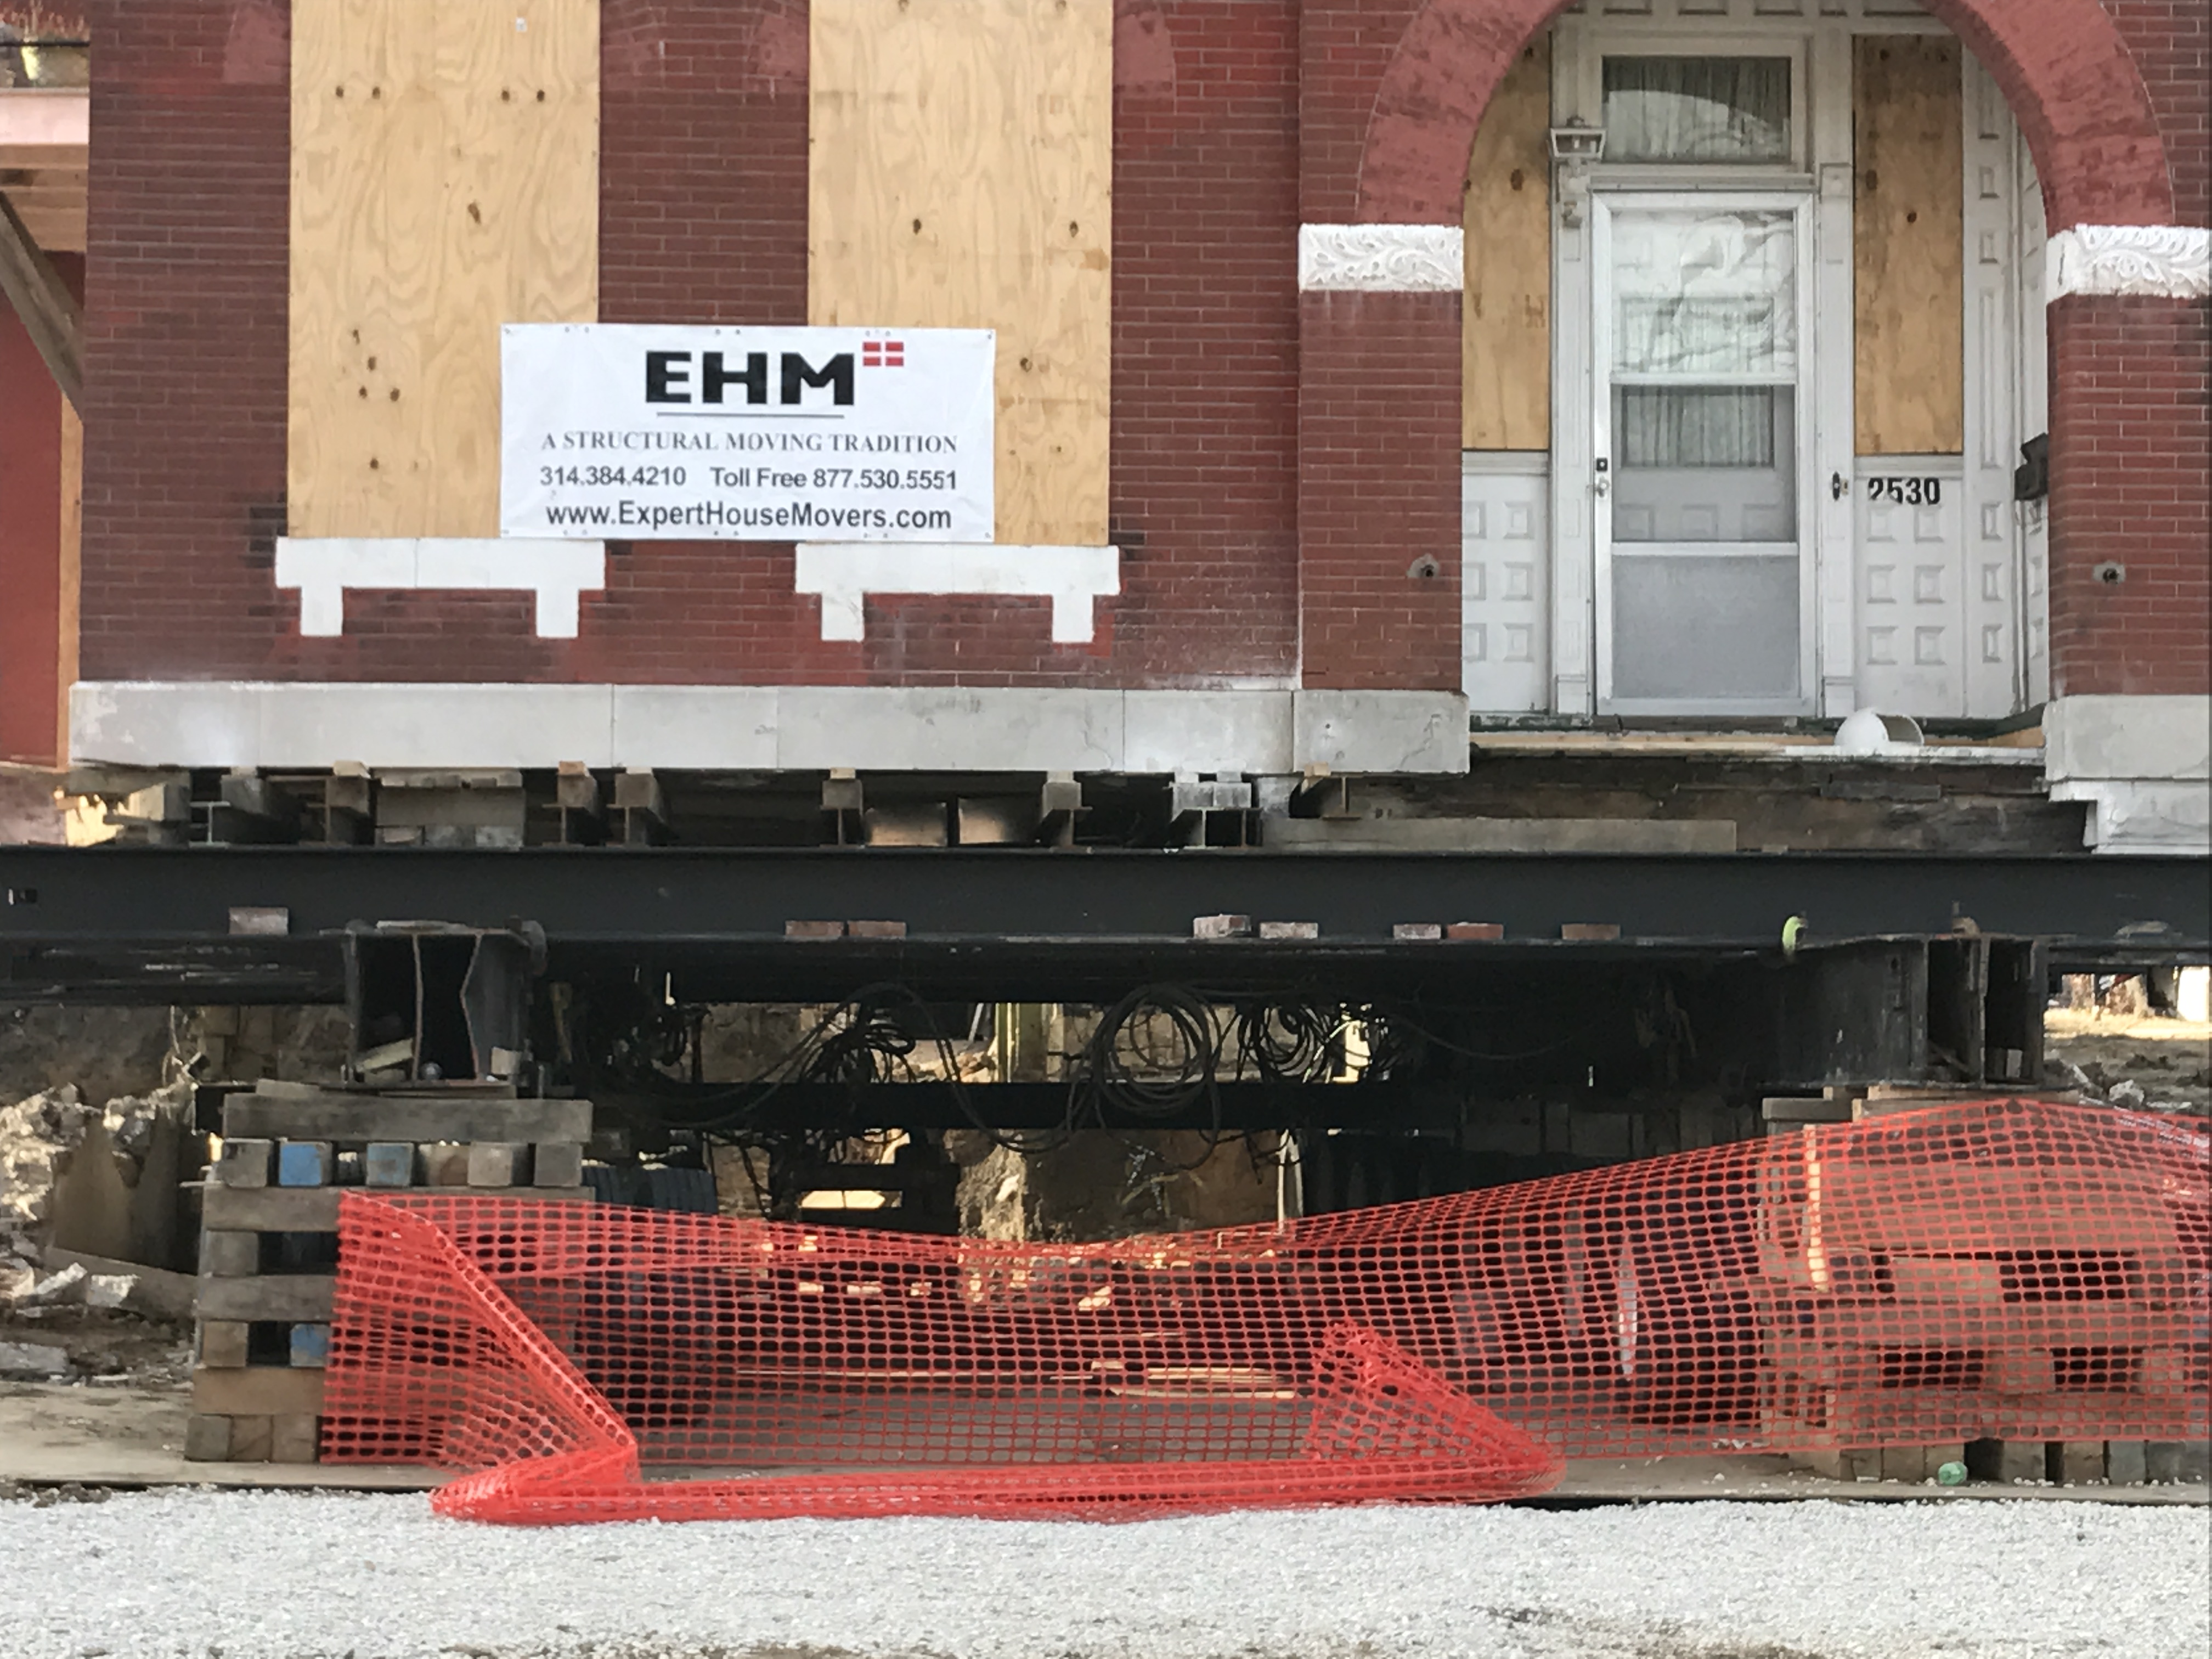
(844, 573)
(323, 567)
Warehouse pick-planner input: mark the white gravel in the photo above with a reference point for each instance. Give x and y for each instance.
(285, 1576)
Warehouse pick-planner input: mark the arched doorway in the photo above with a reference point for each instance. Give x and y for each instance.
(1780, 473)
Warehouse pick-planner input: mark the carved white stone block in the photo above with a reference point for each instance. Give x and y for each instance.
(1381, 259)
(2165, 262)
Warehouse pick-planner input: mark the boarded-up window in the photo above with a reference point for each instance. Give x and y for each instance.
(961, 166)
(1908, 227)
(445, 180)
(1506, 327)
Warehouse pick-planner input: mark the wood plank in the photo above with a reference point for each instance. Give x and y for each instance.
(315, 1209)
(258, 1391)
(1505, 322)
(52, 201)
(49, 311)
(1646, 835)
(346, 1117)
(288, 1296)
(1908, 227)
(445, 180)
(959, 177)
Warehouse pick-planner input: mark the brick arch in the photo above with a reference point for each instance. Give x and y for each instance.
(2068, 77)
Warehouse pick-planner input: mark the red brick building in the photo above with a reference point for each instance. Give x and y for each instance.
(1728, 362)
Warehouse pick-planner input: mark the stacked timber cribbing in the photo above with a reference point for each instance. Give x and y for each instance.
(268, 1247)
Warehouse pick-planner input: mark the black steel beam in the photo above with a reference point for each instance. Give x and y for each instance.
(1030, 925)
(931, 1104)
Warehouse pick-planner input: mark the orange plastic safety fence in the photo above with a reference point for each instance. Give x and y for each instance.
(2005, 1268)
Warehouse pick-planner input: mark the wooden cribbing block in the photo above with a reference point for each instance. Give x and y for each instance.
(1908, 1464)
(1589, 930)
(876, 929)
(258, 1391)
(1417, 932)
(315, 1209)
(2010, 1462)
(557, 1164)
(295, 1438)
(388, 1163)
(285, 1297)
(1290, 930)
(250, 1439)
(414, 1118)
(222, 1343)
(445, 1163)
(311, 1345)
(2075, 1462)
(303, 1163)
(1475, 929)
(1847, 1463)
(207, 1438)
(499, 1164)
(814, 930)
(230, 1255)
(247, 1162)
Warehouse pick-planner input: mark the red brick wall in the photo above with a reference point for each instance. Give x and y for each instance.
(1278, 464)
(2130, 484)
(1348, 48)
(702, 219)
(1204, 493)
(2064, 66)
(2172, 43)
(30, 538)
(1379, 490)
(186, 286)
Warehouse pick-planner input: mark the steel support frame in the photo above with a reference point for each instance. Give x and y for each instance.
(991, 899)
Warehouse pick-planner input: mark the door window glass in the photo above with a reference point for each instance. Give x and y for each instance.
(1705, 358)
(1697, 109)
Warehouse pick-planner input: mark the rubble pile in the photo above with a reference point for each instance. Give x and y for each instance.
(40, 1139)
(36, 1139)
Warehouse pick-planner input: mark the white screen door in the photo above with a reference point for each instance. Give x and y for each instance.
(1702, 358)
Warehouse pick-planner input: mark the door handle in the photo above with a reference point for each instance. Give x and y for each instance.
(1836, 488)
(1604, 474)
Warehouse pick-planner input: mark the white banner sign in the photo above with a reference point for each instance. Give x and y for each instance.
(616, 432)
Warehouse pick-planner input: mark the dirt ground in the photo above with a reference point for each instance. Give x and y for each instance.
(103, 1344)
(2171, 1059)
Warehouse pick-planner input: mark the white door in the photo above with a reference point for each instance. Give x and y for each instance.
(1701, 409)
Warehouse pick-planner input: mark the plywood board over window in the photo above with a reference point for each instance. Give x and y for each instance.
(1505, 334)
(445, 180)
(961, 164)
(1908, 229)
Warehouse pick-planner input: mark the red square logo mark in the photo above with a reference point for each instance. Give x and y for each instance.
(882, 354)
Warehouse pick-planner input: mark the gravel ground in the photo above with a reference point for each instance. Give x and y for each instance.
(197, 1575)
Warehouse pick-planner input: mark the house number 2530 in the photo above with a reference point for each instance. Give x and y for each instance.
(1908, 492)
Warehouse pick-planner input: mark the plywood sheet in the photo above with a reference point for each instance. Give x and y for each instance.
(1908, 230)
(960, 162)
(1505, 385)
(445, 180)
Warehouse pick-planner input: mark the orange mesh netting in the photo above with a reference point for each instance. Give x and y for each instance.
(2004, 1268)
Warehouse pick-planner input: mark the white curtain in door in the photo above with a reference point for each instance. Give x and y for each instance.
(1697, 109)
(1694, 425)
